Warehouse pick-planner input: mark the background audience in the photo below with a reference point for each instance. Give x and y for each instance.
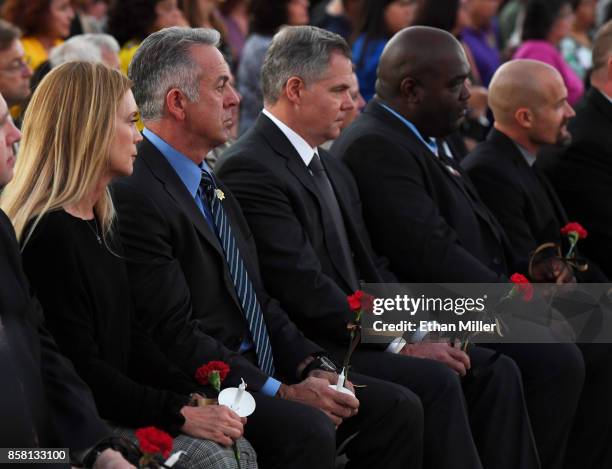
(380, 19)
(130, 21)
(44, 23)
(546, 23)
(265, 20)
(15, 72)
(576, 47)
(481, 35)
(236, 19)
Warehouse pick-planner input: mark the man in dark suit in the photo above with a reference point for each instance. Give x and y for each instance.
(44, 403)
(196, 283)
(582, 172)
(529, 103)
(304, 210)
(424, 214)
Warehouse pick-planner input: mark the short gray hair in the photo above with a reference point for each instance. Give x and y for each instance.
(164, 61)
(102, 41)
(298, 51)
(83, 48)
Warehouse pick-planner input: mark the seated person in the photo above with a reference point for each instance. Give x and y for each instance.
(44, 403)
(63, 216)
(582, 172)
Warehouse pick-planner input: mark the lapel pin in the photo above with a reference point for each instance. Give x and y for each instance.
(219, 193)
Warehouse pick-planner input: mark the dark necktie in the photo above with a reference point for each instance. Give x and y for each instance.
(331, 204)
(244, 289)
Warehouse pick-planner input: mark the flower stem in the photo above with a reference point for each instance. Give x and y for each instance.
(236, 453)
(571, 249)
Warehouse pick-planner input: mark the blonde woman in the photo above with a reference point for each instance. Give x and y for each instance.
(78, 134)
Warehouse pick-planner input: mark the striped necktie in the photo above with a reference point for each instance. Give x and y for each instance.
(244, 289)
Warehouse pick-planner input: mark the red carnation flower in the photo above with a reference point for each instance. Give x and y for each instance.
(154, 441)
(360, 300)
(574, 227)
(213, 373)
(354, 300)
(522, 285)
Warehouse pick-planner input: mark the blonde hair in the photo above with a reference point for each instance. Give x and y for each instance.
(65, 149)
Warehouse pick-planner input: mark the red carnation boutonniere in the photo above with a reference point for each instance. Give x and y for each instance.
(522, 286)
(153, 443)
(213, 373)
(574, 232)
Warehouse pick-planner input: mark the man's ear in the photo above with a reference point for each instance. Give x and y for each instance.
(609, 70)
(409, 90)
(524, 117)
(293, 89)
(176, 102)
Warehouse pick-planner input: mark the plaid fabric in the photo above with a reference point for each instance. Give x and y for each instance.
(201, 454)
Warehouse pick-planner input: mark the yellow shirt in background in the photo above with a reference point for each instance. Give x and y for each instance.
(35, 52)
(126, 54)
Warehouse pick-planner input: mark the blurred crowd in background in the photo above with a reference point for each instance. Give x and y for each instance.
(558, 32)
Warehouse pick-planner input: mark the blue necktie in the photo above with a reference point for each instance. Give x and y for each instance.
(244, 288)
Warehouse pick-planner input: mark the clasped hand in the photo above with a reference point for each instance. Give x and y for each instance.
(315, 391)
(213, 422)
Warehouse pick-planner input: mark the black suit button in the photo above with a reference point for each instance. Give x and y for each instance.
(496, 261)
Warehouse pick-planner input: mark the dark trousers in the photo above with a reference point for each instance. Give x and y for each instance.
(590, 441)
(386, 433)
(478, 418)
(553, 375)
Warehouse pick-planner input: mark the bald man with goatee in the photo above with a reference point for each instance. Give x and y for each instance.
(529, 103)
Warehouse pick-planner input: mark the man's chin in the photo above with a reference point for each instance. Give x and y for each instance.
(564, 140)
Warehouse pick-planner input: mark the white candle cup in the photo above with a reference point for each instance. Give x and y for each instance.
(238, 399)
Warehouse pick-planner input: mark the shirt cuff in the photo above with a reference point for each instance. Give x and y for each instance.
(396, 345)
(270, 387)
(419, 335)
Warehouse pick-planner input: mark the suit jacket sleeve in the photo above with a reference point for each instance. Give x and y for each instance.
(403, 218)
(161, 294)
